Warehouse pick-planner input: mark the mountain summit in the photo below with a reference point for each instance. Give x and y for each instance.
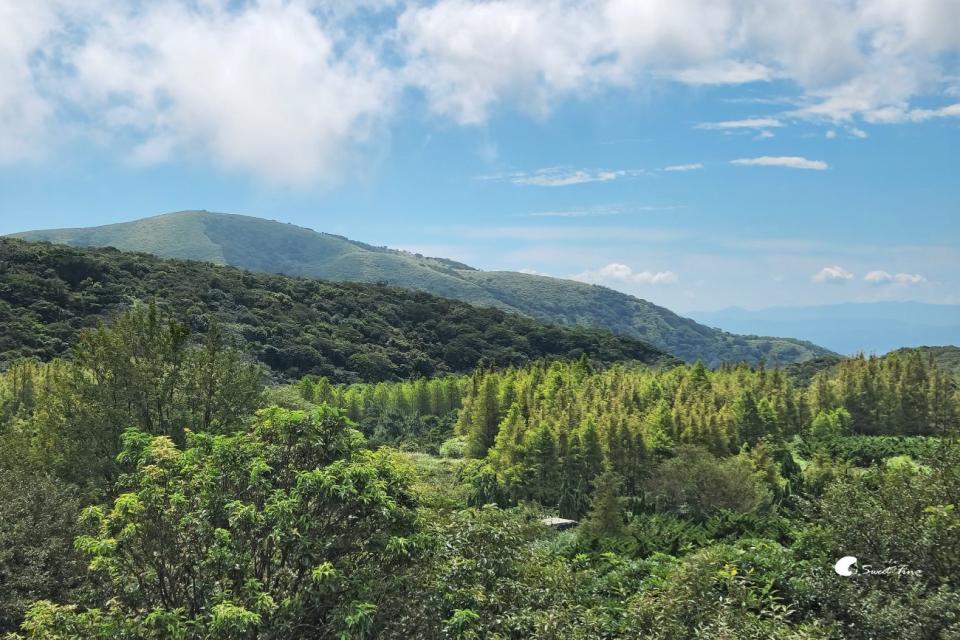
(269, 246)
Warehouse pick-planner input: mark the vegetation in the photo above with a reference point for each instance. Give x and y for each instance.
(546, 432)
(153, 485)
(947, 358)
(346, 332)
(268, 246)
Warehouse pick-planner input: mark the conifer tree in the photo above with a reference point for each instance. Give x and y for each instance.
(483, 419)
(605, 520)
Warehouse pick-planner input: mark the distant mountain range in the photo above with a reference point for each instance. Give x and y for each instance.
(876, 327)
(268, 246)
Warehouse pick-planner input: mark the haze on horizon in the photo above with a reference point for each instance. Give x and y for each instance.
(697, 154)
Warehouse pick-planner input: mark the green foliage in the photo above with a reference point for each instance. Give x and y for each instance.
(296, 326)
(865, 451)
(713, 503)
(900, 517)
(695, 484)
(37, 526)
(264, 245)
(904, 393)
(605, 520)
(280, 532)
(417, 414)
(455, 447)
(547, 430)
(726, 591)
(828, 425)
(140, 371)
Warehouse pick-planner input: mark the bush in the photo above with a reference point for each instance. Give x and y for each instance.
(455, 447)
(696, 484)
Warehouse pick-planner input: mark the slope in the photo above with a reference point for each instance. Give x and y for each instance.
(269, 246)
(347, 331)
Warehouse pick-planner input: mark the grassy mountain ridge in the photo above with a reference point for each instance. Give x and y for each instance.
(345, 331)
(269, 246)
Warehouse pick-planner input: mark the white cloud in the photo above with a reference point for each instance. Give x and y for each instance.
(24, 111)
(268, 89)
(618, 272)
(288, 89)
(871, 55)
(792, 162)
(830, 135)
(684, 167)
(834, 274)
(903, 279)
(909, 278)
(878, 277)
(748, 123)
(724, 72)
(563, 176)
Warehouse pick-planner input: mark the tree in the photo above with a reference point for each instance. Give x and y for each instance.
(482, 418)
(605, 520)
(281, 532)
(574, 483)
(38, 521)
(541, 466)
(747, 418)
(697, 484)
(142, 371)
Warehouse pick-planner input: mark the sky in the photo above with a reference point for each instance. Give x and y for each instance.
(700, 154)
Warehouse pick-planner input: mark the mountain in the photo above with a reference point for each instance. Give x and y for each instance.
(876, 327)
(346, 331)
(269, 246)
(947, 358)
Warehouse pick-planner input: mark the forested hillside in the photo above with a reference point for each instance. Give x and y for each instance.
(295, 326)
(264, 245)
(568, 421)
(152, 486)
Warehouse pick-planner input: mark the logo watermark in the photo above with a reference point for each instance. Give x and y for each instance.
(848, 566)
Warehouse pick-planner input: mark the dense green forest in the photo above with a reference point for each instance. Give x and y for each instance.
(157, 484)
(295, 326)
(269, 246)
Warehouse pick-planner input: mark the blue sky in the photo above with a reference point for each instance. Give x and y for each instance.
(696, 154)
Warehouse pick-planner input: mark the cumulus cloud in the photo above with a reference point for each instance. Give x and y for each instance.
(618, 272)
(791, 162)
(267, 88)
(563, 176)
(684, 167)
(24, 111)
(835, 274)
(288, 89)
(871, 55)
(903, 279)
